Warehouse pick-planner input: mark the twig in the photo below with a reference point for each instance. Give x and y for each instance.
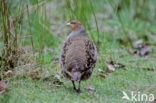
(30, 28)
(96, 23)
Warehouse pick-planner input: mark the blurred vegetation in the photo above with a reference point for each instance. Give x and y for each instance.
(32, 33)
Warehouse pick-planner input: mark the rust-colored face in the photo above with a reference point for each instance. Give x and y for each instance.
(75, 25)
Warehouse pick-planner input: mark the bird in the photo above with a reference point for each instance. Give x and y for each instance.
(79, 55)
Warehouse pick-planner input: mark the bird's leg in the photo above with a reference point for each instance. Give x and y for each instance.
(78, 90)
(73, 85)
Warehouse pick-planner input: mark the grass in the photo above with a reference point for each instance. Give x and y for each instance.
(107, 21)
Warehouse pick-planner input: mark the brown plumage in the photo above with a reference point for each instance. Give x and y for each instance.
(78, 56)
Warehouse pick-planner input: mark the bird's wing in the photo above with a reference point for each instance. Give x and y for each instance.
(91, 54)
(63, 54)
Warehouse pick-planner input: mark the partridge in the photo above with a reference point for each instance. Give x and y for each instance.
(79, 55)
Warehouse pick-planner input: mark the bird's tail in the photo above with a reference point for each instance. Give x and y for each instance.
(76, 70)
(76, 76)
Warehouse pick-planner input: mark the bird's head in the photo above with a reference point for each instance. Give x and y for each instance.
(75, 25)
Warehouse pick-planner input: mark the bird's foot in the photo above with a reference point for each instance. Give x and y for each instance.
(78, 90)
(74, 88)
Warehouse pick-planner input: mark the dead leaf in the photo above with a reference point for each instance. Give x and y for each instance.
(38, 77)
(100, 75)
(148, 69)
(119, 65)
(89, 87)
(145, 50)
(141, 48)
(110, 68)
(3, 85)
(35, 75)
(8, 73)
(138, 44)
(101, 70)
(116, 65)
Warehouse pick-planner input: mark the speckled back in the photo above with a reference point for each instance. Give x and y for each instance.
(76, 51)
(78, 54)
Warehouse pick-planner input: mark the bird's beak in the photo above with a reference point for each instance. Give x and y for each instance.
(68, 24)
